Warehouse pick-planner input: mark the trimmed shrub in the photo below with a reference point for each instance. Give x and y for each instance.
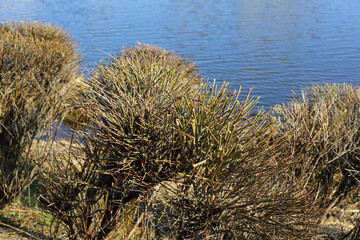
(323, 128)
(38, 62)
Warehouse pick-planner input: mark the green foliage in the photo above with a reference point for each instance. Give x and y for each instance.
(150, 124)
(38, 62)
(323, 128)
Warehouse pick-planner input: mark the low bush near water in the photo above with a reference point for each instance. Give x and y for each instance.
(238, 187)
(160, 154)
(129, 146)
(37, 64)
(324, 138)
(142, 66)
(150, 124)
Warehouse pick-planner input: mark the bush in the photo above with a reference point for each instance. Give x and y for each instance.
(129, 146)
(237, 187)
(149, 125)
(38, 62)
(323, 128)
(146, 57)
(142, 66)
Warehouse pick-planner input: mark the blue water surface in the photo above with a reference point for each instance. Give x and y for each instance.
(272, 46)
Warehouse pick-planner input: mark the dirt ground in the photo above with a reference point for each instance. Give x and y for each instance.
(8, 233)
(339, 221)
(334, 225)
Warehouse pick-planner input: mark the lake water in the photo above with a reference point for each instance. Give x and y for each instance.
(272, 46)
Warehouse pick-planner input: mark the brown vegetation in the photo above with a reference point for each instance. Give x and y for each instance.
(157, 153)
(150, 123)
(37, 64)
(324, 139)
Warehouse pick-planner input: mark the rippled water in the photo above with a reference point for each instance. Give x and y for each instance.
(272, 46)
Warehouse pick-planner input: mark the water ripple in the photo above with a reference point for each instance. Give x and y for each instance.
(271, 46)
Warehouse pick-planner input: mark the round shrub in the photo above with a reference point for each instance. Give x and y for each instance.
(149, 124)
(129, 104)
(147, 58)
(38, 63)
(139, 68)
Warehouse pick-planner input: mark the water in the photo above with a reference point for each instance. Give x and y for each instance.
(272, 46)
